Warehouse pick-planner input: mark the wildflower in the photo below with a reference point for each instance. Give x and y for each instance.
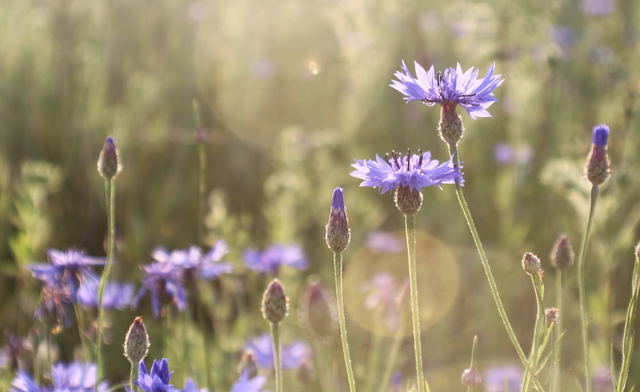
(382, 242)
(316, 314)
(136, 342)
(158, 379)
(292, 354)
(275, 305)
(503, 153)
(471, 377)
(190, 386)
(13, 350)
(601, 380)
(116, 295)
(396, 382)
(597, 168)
(562, 255)
(192, 263)
(385, 294)
(244, 384)
(598, 7)
(108, 164)
(552, 315)
(531, 263)
(67, 267)
(76, 377)
(164, 282)
(51, 309)
(338, 235)
(269, 260)
(495, 377)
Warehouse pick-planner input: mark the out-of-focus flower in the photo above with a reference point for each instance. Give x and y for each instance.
(602, 55)
(494, 378)
(164, 282)
(193, 263)
(396, 382)
(274, 256)
(190, 386)
(598, 7)
(601, 380)
(244, 384)
(158, 379)
(453, 87)
(291, 354)
(51, 309)
(505, 154)
(565, 38)
(382, 242)
(263, 68)
(13, 349)
(116, 295)
(75, 377)
(412, 171)
(316, 312)
(67, 267)
(384, 294)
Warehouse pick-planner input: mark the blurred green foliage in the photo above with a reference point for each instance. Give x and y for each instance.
(291, 92)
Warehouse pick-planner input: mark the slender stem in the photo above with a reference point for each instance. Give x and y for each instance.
(629, 329)
(205, 335)
(165, 332)
(134, 377)
(410, 227)
(555, 375)
(584, 318)
(533, 358)
(185, 342)
(49, 366)
(374, 352)
(337, 267)
(81, 330)
(473, 358)
(203, 169)
(393, 355)
(275, 340)
(110, 191)
(324, 370)
(487, 269)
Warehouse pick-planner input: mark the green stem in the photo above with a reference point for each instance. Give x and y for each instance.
(83, 337)
(540, 319)
(473, 358)
(584, 318)
(110, 191)
(410, 228)
(629, 329)
(337, 267)
(374, 352)
(555, 375)
(165, 332)
(275, 340)
(202, 174)
(487, 269)
(324, 370)
(185, 342)
(134, 377)
(393, 355)
(49, 362)
(205, 335)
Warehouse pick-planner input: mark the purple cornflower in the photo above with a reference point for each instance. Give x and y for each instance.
(190, 386)
(379, 241)
(14, 347)
(67, 267)
(396, 382)
(164, 282)
(601, 380)
(494, 378)
(600, 135)
(51, 309)
(292, 355)
(244, 384)
(451, 88)
(192, 263)
(270, 259)
(76, 377)
(158, 379)
(396, 171)
(116, 295)
(598, 7)
(385, 293)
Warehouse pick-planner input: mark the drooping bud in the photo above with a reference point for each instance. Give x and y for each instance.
(108, 164)
(136, 342)
(248, 363)
(450, 126)
(531, 263)
(598, 168)
(552, 315)
(275, 305)
(408, 201)
(338, 235)
(316, 314)
(471, 377)
(562, 255)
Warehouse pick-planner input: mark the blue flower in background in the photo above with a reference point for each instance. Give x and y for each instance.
(193, 263)
(116, 295)
(190, 386)
(494, 378)
(453, 87)
(164, 282)
(598, 7)
(276, 255)
(416, 172)
(52, 307)
(67, 267)
(75, 377)
(292, 355)
(244, 384)
(380, 241)
(158, 379)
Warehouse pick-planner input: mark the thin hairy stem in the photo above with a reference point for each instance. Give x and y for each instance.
(535, 345)
(393, 355)
(275, 340)
(81, 332)
(410, 228)
(205, 335)
(555, 365)
(133, 376)
(629, 329)
(337, 268)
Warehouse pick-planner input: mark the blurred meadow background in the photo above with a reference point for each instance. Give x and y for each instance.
(290, 92)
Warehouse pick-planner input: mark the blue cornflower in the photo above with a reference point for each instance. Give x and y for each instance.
(292, 355)
(164, 281)
(600, 135)
(416, 172)
(51, 310)
(158, 379)
(116, 295)
(75, 377)
(382, 242)
(244, 384)
(67, 267)
(495, 377)
(453, 87)
(190, 386)
(193, 263)
(270, 259)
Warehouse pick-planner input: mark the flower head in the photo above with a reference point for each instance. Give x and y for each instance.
(190, 386)
(52, 307)
(413, 171)
(108, 164)
(193, 263)
(291, 355)
(275, 304)
(562, 255)
(136, 342)
(244, 384)
(116, 295)
(598, 168)
(158, 379)
(338, 235)
(270, 259)
(453, 87)
(75, 377)
(164, 282)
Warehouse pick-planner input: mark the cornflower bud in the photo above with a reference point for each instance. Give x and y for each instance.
(108, 164)
(552, 315)
(531, 264)
(275, 305)
(450, 126)
(471, 377)
(562, 255)
(316, 315)
(136, 342)
(248, 363)
(598, 168)
(408, 201)
(338, 235)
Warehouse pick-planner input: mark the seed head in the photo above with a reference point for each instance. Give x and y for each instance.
(562, 255)
(338, 235)
(108, 164)
(408, 201)
(471, 377)
(275, 305)
(531, 263)
(597, 168)
(552, 314)
(136, 342)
